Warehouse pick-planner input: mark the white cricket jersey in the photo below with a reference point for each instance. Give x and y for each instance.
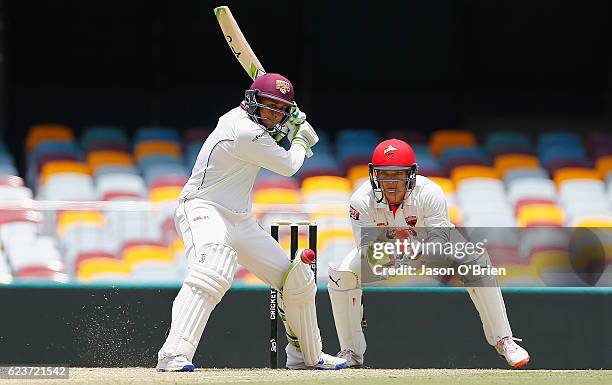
(230, 159)
(425, 206)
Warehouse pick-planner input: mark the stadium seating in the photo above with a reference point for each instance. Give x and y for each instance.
(504, 181)
(507, 142)
(443, 139)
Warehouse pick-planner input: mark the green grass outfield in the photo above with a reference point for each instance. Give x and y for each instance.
(133, 376)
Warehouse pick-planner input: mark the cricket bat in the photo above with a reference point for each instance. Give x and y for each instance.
(240, 47)
(237, 43)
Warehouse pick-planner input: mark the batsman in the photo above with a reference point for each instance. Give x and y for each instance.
(396, 197)
(216, 224)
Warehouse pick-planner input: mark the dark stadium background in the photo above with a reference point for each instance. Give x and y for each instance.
(403, 65)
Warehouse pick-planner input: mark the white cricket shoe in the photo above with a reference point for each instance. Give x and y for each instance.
(295, 361)
(326, 362)
(515, 355)
(353, 360)
(174, 364)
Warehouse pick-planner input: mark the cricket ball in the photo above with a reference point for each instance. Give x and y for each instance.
(308, 256)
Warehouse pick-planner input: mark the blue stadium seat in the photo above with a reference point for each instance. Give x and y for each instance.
(156, 133)
(548, 153)
(355, 142)
(561, 138)
(473, 153)
(155, 159)
(501, 139)
(107, 135)
(7, 159)
(50, 147)
(8, 169)
(163, 169)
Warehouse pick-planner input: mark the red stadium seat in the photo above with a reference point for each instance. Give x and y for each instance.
(93, 254)
(530, 201)
(122, 195)
(172, 180)
(11, 181)
(42, 272)
(285, 183)
(8, 216)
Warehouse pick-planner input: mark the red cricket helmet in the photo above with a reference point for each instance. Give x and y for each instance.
(392, 155)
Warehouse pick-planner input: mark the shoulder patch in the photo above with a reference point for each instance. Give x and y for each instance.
(354, 213)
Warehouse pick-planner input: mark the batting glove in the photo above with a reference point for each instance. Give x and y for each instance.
(297, 117)
(305, 136)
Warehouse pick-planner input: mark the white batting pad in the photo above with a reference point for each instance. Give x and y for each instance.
(208, 279)
(298, 301)
(492, 310)
(345, 296)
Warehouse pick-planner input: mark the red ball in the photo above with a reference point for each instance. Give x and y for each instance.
(308, 256)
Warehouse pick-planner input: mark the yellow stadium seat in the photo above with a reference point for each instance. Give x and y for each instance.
(47, 132)
(465, 172)
(569, 173)
(506, 162)
(146, 253)
(604, 165)
(176, 246)
(62, 166)
(455, 215)
(536, 214)
(552, 259)
(322, 212)
(96, 159)
(150, 147)
(329, 235)
(594, 222)
(443, 139)
(276, 196)
(446, 184)
(518, 272)
(91, 267)
(65, 219)
(317, 183)
(357, 173)
(165, 193)
(285, 242)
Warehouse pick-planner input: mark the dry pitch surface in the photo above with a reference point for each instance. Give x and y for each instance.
(134, 376)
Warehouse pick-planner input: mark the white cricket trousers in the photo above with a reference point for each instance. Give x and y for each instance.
(201, 222)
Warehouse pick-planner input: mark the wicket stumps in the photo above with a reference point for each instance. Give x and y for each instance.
(312, 244)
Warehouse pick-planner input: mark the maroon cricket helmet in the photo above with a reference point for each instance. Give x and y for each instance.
(274, 86)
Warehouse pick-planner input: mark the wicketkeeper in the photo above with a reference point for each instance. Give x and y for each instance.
(396, 197)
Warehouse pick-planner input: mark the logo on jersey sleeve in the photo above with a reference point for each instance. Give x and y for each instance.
(354, 213)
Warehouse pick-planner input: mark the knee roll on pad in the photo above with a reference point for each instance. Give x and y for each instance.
(340, 280)
(297, 297)
(213, 270)
(208, 279)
